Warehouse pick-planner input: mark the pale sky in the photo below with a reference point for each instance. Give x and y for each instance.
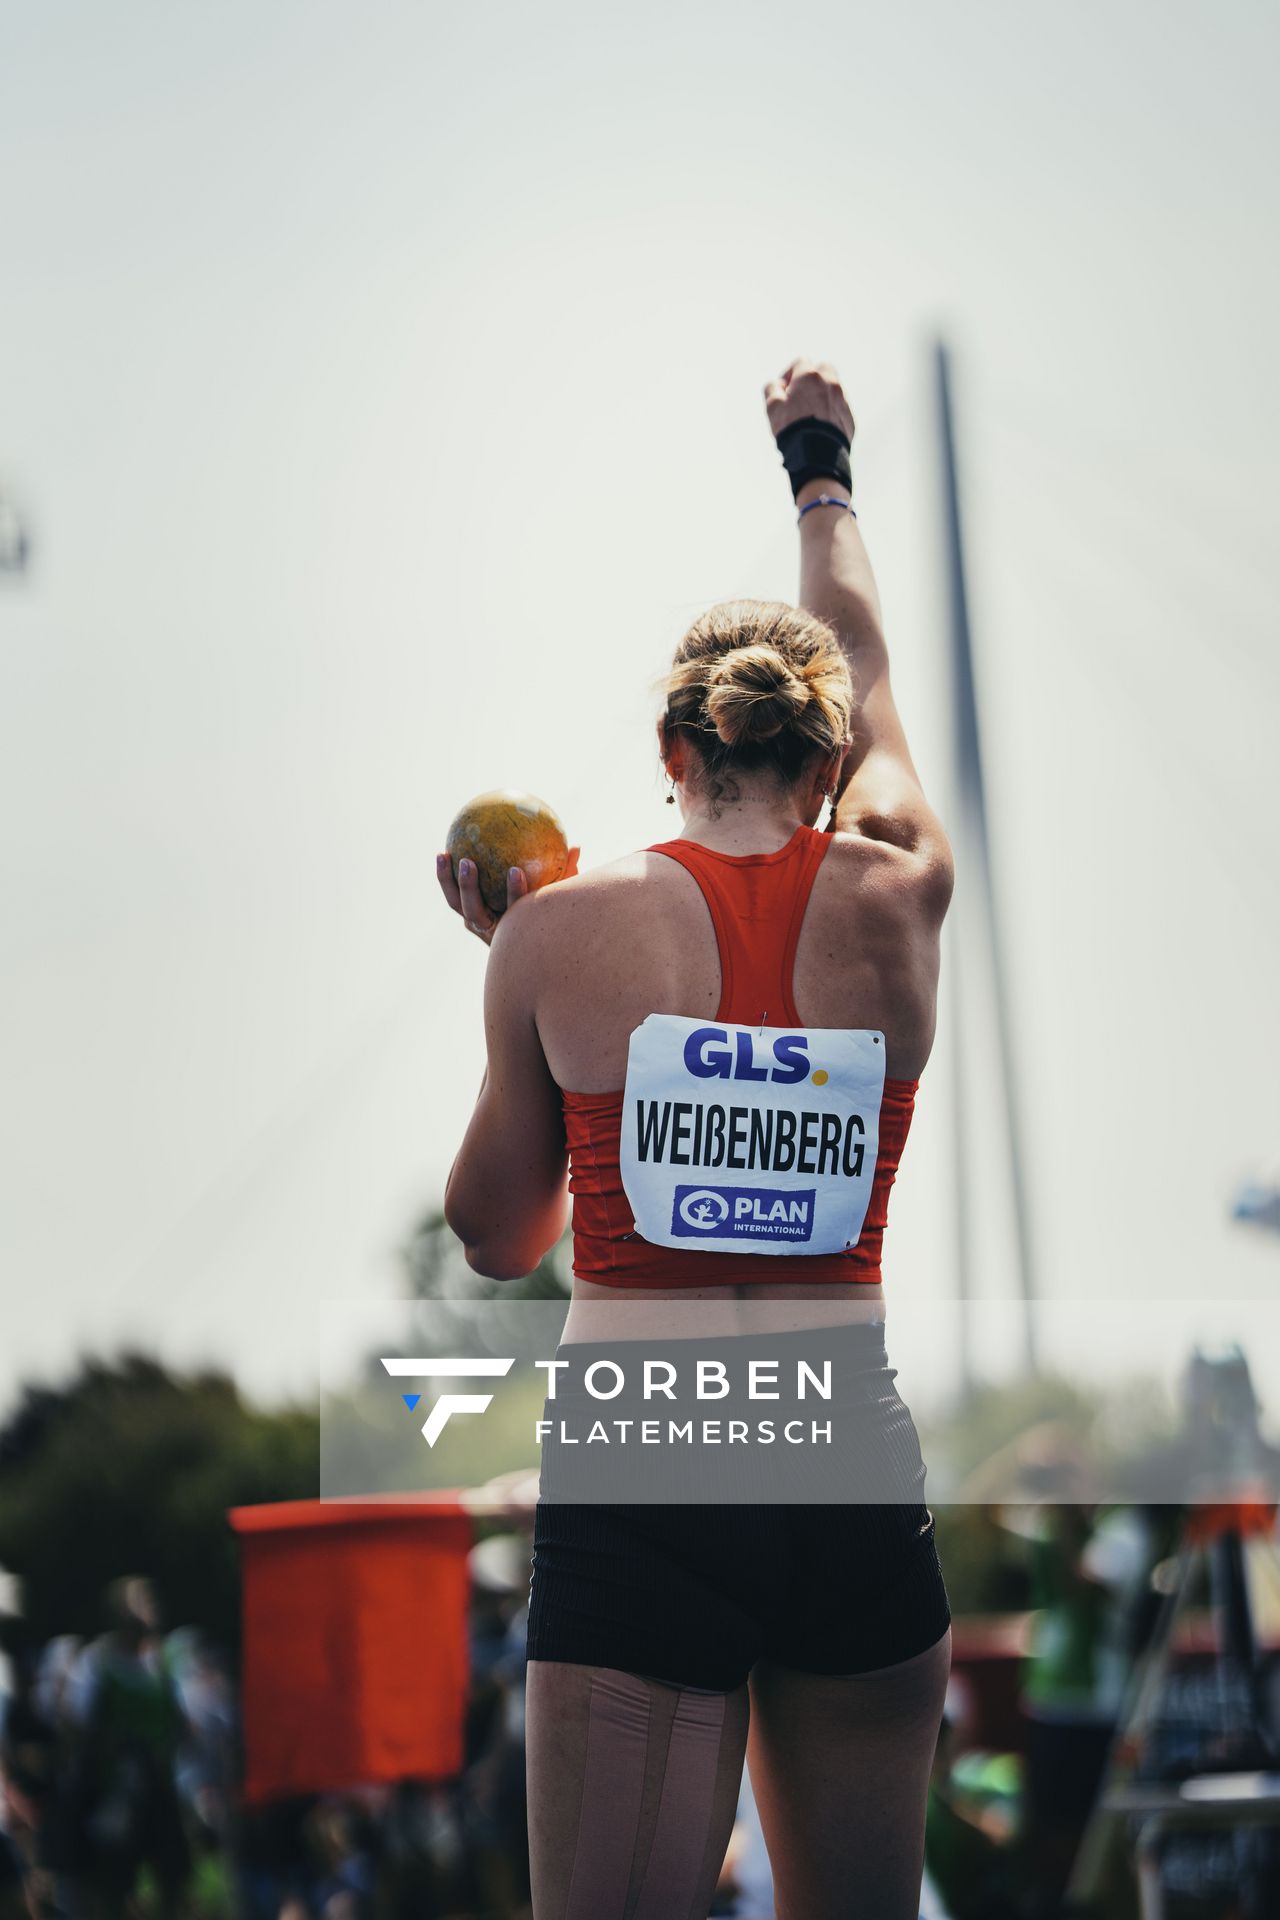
(382, 388)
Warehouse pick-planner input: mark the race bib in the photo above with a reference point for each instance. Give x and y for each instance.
(750, 1139)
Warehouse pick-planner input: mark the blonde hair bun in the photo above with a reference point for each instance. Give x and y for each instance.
(759, 684)
(752, 694)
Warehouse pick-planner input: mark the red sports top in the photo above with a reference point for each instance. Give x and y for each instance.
(757, 903)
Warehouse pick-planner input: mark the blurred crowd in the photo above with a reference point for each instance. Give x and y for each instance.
(120, 1762)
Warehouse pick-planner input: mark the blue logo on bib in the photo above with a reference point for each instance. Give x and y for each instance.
(742, 1213)
(707, 1056)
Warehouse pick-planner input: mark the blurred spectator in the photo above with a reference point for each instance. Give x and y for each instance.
(1089, 1572)
(974, 1871)
(124, 1814)
(341, 1856)
(29, 1770)
(205, 1766)
(492, 1803)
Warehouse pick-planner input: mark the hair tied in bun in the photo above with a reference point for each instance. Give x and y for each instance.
(753, 694)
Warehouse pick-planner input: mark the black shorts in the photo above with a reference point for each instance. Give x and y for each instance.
(696, 1594)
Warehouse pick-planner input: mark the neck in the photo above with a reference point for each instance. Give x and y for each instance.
(754, 822)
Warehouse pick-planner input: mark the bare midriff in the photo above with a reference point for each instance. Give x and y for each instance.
(618, 1313)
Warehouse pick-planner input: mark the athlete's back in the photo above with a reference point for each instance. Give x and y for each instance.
(605, 950)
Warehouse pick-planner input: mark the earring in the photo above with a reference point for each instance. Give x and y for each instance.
(671, 797)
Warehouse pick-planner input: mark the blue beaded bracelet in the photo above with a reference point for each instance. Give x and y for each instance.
(824, 500)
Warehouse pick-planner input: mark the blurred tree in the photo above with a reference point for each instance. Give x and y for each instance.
(1125, 1433)
(129, 1468)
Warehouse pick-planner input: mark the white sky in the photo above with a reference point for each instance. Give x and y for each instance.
(382, 387)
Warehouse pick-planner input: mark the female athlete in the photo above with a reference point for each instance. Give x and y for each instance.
(667, 1641)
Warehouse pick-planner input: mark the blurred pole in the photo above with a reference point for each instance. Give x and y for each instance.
(975, 846)
(961, 1161)
(15, 548)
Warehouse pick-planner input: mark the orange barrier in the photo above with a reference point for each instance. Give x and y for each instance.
(1251, 1519)
(355, 1660)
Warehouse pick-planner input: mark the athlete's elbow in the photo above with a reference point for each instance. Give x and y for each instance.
(493, 1261)
(499, 1242)
(468, 1219)
(486, 1252)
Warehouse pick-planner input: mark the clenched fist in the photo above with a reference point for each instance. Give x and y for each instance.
(808, 390)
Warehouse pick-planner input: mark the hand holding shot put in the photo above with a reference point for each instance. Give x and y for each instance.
(501, 847)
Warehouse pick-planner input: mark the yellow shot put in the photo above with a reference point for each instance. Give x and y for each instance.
(505, 829)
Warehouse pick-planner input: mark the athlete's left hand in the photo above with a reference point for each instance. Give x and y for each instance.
(463, 892)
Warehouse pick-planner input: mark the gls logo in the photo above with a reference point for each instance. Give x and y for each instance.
(707, 1056)
(436, 1421)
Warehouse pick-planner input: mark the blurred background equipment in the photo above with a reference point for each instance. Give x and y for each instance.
(1257, 1201)
(15, 544)
(1194, 1766)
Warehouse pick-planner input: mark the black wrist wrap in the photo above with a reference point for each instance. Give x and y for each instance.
(814, 450)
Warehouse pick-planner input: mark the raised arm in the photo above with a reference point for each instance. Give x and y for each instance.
(880, 796)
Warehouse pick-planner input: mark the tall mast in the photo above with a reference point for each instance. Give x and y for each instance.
(974, 845)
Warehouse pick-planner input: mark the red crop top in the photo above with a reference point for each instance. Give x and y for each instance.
(757, 904)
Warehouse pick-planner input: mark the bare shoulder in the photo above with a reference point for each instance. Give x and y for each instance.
(610, 881)
(921, 875)
(569, 902)
(584, 909)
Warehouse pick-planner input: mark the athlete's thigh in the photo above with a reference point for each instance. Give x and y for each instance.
(840, 1768)
(632, 1787)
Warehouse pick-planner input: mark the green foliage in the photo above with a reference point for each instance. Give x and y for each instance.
(129, 1468)
(992, 1418)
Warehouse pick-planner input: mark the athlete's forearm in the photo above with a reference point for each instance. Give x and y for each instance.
(836, 581)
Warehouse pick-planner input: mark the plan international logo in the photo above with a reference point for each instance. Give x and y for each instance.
(761, 1213)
